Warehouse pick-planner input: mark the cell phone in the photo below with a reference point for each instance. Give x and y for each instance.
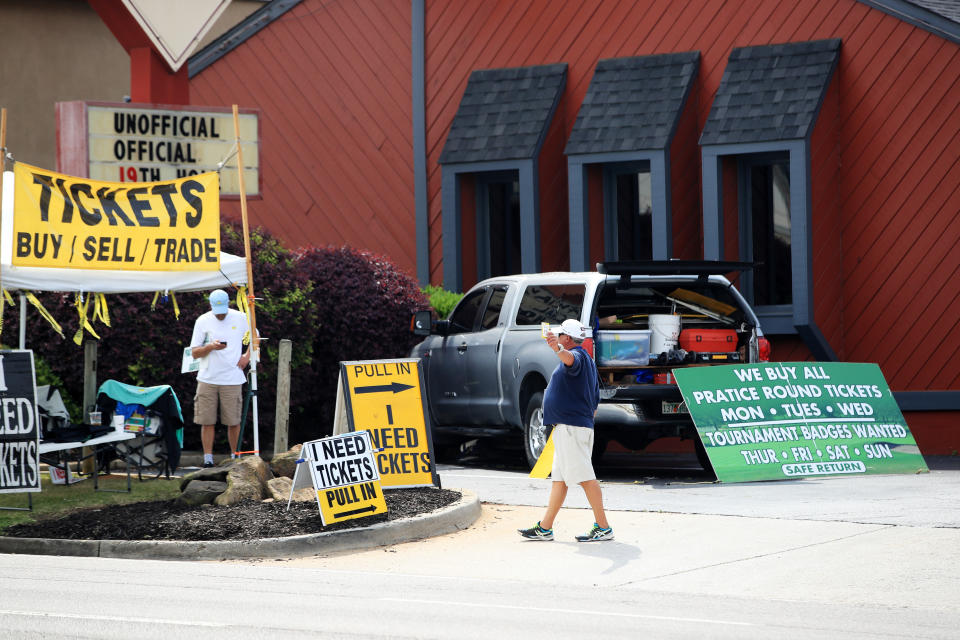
(223, 343)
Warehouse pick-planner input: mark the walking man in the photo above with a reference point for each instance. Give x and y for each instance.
(218, 342)
(569, 404)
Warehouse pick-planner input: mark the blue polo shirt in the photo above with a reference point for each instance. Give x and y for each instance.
(573, 393)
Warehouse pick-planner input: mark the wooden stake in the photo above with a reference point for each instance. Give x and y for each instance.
(254, 338)
(251, 300)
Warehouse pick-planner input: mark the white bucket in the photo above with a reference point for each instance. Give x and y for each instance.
(664, 333)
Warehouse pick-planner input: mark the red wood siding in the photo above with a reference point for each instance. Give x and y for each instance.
(332, 82)
(885, 159)
(826, 215)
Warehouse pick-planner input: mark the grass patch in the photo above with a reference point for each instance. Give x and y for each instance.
(55, 500)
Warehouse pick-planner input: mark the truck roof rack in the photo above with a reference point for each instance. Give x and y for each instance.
(671, 267)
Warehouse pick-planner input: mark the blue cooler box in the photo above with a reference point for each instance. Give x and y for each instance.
(622, 348)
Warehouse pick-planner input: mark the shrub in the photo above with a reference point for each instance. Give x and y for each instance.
(366, 303)
(441, 300)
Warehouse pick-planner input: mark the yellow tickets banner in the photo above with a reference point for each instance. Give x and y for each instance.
(62, 221)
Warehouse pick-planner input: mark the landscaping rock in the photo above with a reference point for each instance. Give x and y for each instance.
(285, 464)
(199, 492)
(246, 480)
(279, 488)
(218, 474)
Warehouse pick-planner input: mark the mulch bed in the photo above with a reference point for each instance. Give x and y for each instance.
(169, 520)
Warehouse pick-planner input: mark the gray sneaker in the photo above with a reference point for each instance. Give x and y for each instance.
(536, 533)
(597, 534)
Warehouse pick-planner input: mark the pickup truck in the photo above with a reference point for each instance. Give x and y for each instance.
(487, 365)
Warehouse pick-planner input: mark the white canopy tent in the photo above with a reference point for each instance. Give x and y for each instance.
(232, 271)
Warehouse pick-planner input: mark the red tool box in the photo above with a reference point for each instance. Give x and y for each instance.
(709, 340)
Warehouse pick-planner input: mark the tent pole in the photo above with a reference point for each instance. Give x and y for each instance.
(23, 321)
(3, 168)
(251, 300)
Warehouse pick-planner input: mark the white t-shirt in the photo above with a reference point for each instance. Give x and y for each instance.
(221, 365)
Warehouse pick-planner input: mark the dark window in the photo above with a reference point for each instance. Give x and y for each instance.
(491, 315)
(634, 216)
(770, 233)
(464, 316)
(551, 303)
(503, 226)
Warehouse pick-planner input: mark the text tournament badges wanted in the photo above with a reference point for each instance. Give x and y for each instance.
(797, 419)
(385, 398)
(345, 477)
(19, 424)
(62, 221)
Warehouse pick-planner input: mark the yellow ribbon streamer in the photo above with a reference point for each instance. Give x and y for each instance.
(32, 299)
(82, 303)
(242, 301)
(173, 297)
(100, 311)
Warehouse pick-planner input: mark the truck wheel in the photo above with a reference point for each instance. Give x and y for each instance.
(535, 433)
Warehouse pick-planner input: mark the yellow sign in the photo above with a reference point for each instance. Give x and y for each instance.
(61, 221)
(385, 398)
(345, 477)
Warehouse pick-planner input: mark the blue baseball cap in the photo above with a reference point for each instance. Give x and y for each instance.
(219, 301)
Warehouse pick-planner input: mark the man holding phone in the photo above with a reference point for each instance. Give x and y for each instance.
(218, 343)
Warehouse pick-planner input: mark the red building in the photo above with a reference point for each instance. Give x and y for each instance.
(466, 139)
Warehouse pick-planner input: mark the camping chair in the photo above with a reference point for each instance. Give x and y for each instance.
(153, 414)
(63, 442)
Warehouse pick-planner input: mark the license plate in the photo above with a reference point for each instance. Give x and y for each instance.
(674, 408)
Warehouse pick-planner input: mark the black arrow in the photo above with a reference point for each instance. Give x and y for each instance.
(342, 514)
(396, 387)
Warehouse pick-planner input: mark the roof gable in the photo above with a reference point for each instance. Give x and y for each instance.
(633, 104)
(771, 93)
(504, 114)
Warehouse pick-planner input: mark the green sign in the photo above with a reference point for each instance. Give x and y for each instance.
(798, 419)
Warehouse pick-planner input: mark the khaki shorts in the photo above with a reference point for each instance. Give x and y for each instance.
(572, 448)
(209, 396)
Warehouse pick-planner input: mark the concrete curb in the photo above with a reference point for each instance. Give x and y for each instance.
(454, 517)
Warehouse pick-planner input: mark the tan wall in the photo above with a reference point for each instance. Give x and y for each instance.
(51, 51)
(57, 50)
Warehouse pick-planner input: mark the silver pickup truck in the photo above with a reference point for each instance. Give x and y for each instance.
(486, 366)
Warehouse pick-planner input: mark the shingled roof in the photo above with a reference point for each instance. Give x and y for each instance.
(504, 114)
(771, 93)
(633, 104)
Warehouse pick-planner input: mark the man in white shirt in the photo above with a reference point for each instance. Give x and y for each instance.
(218, 341)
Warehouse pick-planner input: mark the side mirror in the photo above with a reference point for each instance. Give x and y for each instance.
(421, 323)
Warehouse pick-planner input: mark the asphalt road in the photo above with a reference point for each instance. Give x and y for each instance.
(872, 557)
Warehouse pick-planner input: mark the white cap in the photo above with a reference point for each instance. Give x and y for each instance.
(573, 328)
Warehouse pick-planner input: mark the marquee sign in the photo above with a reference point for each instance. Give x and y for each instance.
(122, 142)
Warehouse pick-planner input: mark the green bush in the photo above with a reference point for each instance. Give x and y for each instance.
(441, 300)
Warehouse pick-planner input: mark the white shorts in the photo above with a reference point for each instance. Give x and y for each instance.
(572, 450)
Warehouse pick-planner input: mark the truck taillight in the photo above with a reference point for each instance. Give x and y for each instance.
(763, 348)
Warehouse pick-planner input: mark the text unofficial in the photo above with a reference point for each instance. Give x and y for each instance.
(62, 221)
